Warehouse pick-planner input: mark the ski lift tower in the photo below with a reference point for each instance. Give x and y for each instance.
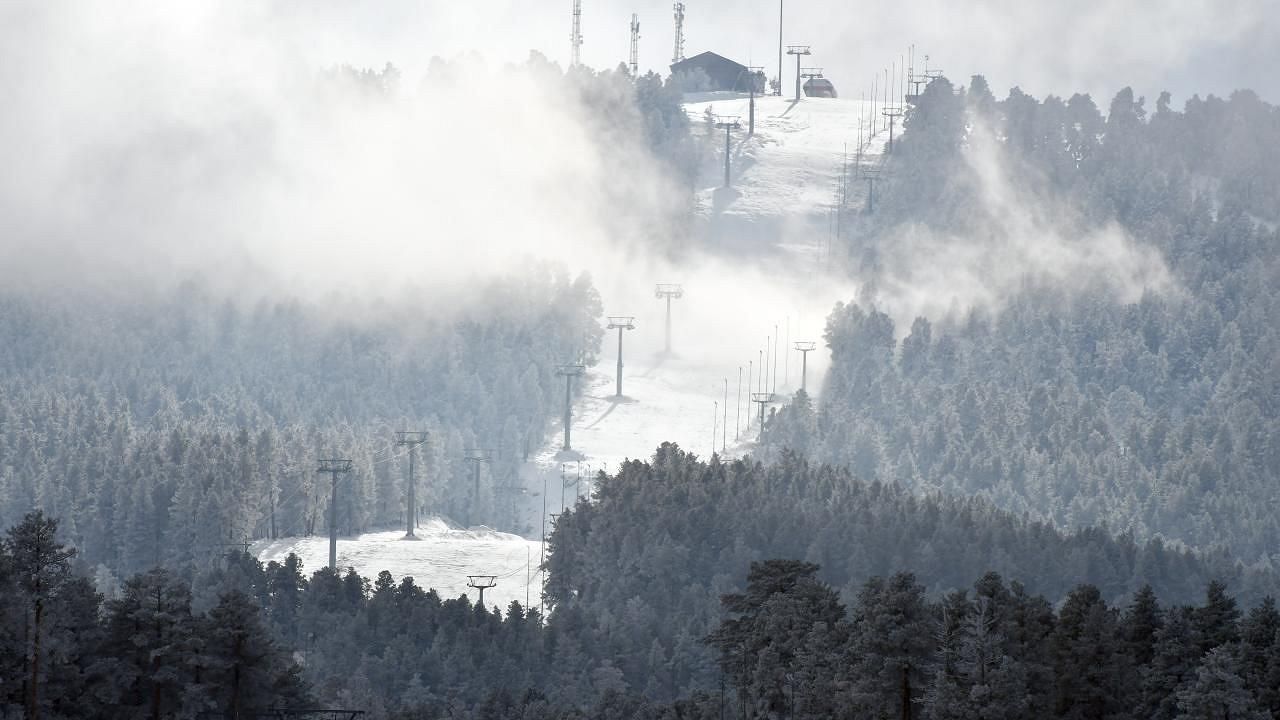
(762, 399)
(805, 347)
(872, 174)
(754, 71)
(412, 440)
(334, 467)
(728, 123)
(569, 372)
(477, 457)
(799, 51)
(621, 323)
(921, 79)
(893, 112)
(668, 291)
(482, 583)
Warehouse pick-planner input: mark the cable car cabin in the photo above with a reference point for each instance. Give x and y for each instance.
(819, 88)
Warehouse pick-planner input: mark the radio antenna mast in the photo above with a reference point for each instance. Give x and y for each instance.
(678, 54)
(635, 45)
(575, 39)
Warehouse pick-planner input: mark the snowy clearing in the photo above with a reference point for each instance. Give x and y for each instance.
(441, 559)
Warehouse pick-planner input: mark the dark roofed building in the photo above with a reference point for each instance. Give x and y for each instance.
(721, 72)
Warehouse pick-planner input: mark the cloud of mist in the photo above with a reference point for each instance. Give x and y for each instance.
(1021, 236)
(153, 142)
(156, 143)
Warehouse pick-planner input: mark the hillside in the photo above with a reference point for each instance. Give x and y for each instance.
(1108, 355)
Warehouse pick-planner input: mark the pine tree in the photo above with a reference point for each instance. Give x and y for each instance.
(946, 697)
(148, 645)
(1088, 658)
(1141, 624)
(890, 648)
(767, 635)
(1217, 622)
(1217, 691)
(1259, 650)
(13, 650)
(285, 586)
(240, 669)
(42, 569)
(1173, 664)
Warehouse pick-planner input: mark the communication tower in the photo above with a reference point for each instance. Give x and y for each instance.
(575, 38)
(635, 45)
(678, 54)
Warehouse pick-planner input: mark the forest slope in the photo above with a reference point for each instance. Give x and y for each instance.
(1120, 366)
(641, 569)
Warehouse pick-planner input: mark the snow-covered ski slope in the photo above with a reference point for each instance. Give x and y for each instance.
(760, 270)
(768, 237)
(442, 558)
(786, 178)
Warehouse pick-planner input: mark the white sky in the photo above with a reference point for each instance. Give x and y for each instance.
(1044, 46)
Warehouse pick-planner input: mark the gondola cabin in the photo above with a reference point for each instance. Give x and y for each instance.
(819, 88)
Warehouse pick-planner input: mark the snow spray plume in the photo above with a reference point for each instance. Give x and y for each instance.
(153, 142)
(1018, 235)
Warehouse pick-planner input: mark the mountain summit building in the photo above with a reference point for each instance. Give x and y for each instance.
(721, 72)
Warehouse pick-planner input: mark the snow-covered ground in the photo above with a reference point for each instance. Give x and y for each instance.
(769, 234)
(665, 399)
(442, 558)
(767, 279)
(786, 177)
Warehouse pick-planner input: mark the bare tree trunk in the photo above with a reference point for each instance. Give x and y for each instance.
(906, 692)
(235, 685)
(33, 703)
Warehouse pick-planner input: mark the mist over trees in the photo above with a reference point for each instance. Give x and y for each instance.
(161, 436)
(1157, 415)
(1057, 500)
(162, 421)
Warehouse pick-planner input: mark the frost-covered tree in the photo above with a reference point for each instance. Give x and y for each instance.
(1217, 691)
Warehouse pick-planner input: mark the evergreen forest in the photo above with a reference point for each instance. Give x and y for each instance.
(1045, 496)
(1155, 412)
